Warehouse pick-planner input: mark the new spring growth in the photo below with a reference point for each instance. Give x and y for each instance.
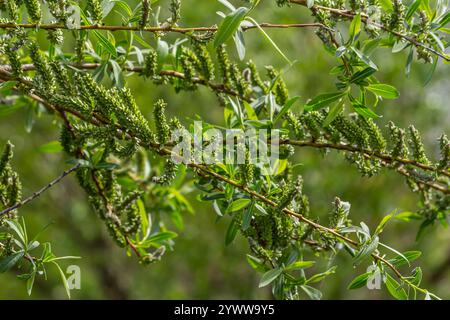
(175, 10)
(96, 11)
(145, 13)
(162, 127)
(34, 10)
(10, 185)
(151, 64)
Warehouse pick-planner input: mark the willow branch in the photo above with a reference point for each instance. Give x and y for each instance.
(217, 87)
(164, 29)
(366, 20)
(39, 192)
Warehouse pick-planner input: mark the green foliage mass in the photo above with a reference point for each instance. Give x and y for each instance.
(81, 76)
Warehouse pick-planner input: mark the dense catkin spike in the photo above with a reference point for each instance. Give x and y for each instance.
(398, 138)
(397, 17)
(189, 72)
(170, 172)
(238, 80)
(339, 215)
(281, 92)
(42, 68)
(14, 61)
(247, 170)
(377, 141)
(224, 65)
(162, 127)
(151, 64)
(256, 78)
(138, 124)
(62, 78)
(13, 10)
(417, 146)
(312, 125)
(95, 10)
(189, 55)
(296, 125)
(6, 157)
(145, 14)
(34, 10)
(207, 66)
(55, 36)
(351, 131)
(444, 144)
(175, 10)
(294, 190)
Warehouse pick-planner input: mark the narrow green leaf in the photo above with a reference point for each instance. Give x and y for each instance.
(300, 265)
(238, 205)
(231, 233)
(366, 250)
(10, 261)
(63, 279)
(365, 59)
(355, 28)
(360, 281)
(229, 26)
(409, 255)
(269, 277)
(384, 90)
(51, 147)
(286, 108)
(412, 9)
(105, 43)
(334, 112)
(394, 288)
(323, 100)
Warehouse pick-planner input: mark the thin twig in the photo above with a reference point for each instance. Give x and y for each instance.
(366, 20)
(39, 192)
(54, 26)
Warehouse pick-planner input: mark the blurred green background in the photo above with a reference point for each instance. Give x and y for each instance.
(201, 267)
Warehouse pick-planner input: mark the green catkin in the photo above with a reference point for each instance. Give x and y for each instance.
(424, 37)
(43, 69)
(281, 92)
(162, 127)
(339, 215)
(312, 125)
(145, 14)
(6, 158)
(376, 139)
(175, 10)
(296, 125)
(417, 146)
(256, 78)
(224, 65)
(59, 9)
(13, 10)
(397, 17)
(351, 131)
(55, 36)
(189, 73)
(207, 66)
(14, 61)
(62, 78)
(444, 144)
(95, 10)
(34, 10)
(398, 138)
(151, 64)
(170, 172)
(190, 56)
(247, 170)
(238, 80)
